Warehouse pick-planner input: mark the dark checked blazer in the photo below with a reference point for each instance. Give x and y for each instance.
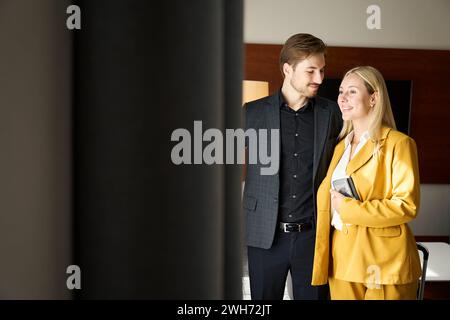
(260, 198)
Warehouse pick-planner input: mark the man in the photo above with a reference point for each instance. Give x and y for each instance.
(280, 209)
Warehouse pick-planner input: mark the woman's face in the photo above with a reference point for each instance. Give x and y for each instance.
(354, 99)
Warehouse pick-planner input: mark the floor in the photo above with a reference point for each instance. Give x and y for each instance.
(246, 290)
(246, 283)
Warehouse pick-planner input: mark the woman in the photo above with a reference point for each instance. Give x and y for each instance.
(364, 248)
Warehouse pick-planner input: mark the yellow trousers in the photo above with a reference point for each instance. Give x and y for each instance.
(344, 290)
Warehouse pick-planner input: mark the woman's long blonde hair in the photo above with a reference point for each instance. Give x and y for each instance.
(382, 112)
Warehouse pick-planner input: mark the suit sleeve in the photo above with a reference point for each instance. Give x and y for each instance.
(403, 206)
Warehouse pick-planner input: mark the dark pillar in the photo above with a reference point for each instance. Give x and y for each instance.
(144, 227)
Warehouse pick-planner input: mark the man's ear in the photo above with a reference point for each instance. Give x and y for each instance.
(287, 69)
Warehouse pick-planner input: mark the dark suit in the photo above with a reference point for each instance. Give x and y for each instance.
(261, 194)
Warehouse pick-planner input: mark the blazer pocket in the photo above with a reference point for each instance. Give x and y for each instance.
(249, 203)
(394, 231)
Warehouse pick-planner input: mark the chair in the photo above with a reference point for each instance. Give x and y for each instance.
(422, 279)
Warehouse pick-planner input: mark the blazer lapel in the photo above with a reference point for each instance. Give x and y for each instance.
(273, 119)
(366, 153)
(321, 122)
(273, 122)
(361, 157)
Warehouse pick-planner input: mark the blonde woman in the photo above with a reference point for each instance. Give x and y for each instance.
(364, 248)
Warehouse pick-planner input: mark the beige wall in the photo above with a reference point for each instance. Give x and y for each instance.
(414, 24)
(35, 81)
(434, 215)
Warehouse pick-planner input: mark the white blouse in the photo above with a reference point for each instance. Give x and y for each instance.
(339, 171)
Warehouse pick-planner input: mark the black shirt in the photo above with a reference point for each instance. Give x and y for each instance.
(296, 162)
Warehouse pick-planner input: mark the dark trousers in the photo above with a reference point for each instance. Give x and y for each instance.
(268, 268)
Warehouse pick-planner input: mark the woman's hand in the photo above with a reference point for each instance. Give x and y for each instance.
(336, 199)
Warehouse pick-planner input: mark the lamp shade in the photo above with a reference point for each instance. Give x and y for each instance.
(253, 90)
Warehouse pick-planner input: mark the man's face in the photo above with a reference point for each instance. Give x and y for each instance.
(307, 75)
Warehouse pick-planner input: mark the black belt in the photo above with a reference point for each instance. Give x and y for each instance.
(295, 227)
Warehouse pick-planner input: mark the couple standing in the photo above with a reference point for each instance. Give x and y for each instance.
(334, 246)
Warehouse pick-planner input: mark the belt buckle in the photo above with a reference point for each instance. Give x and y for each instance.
(299, 226)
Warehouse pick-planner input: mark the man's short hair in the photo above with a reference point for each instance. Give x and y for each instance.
(299, 47)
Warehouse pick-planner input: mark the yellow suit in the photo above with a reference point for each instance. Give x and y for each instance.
(378, 247)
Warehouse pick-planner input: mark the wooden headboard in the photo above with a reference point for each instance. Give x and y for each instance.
(429, 71)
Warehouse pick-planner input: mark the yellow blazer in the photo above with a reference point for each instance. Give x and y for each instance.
(379, 240)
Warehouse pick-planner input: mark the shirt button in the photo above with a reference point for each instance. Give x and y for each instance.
(296, 134)
(295, 154)
(290, 216)
(296, 114)
(294, 176)
(294, 196)
(275, 200)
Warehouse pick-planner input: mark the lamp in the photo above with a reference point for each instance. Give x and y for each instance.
(253, 90)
